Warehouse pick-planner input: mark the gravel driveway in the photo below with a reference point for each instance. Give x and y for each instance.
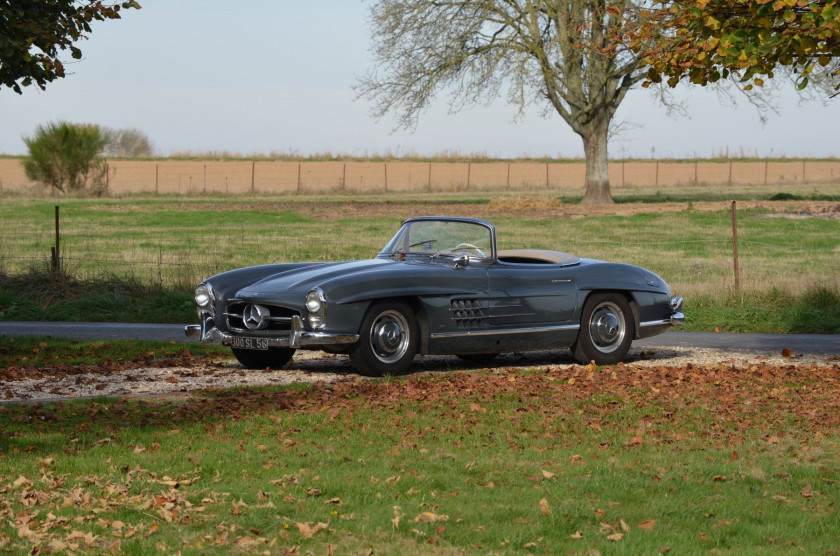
(308, 367)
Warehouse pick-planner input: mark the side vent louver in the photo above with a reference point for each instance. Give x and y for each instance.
(467, 313)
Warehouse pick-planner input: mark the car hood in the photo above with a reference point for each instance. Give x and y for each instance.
(304, 279)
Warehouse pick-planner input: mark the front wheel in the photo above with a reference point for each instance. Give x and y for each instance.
(606, 330)
(273, 358)
(388, 340)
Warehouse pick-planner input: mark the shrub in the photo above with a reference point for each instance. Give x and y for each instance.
(67, 157)
(128, 142)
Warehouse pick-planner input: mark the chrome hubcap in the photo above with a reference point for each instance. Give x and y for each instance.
(607, 327)
(389, 336)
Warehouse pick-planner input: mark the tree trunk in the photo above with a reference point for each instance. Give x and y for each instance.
(597, 169)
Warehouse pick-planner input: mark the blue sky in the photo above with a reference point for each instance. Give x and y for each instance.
(262, 76)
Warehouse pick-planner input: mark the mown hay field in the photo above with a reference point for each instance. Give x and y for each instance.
(564, 177)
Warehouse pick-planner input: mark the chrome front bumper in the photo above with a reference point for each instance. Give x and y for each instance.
(297, 338)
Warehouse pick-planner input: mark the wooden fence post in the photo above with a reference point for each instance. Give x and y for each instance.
(430, 176)
(386, 177)
(156, 179)
(469, 170)
(735, 247)
(253, 171)
(298, 184)
(56, 251)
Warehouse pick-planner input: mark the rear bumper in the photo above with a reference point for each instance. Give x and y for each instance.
(297, 337)
(656, 327)
(677, 319)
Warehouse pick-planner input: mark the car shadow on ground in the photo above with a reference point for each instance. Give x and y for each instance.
(526, 360)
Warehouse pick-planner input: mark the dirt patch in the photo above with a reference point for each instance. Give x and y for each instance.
(830, 211)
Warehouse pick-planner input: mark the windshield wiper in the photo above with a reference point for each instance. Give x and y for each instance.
(403, 252)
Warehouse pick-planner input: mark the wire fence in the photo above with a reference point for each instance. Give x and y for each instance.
(280, 176)
(788, 254)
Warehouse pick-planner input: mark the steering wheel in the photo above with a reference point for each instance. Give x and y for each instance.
(468, 247)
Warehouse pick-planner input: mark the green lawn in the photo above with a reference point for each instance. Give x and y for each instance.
(145, 255)
(623, 460)
(681, 460)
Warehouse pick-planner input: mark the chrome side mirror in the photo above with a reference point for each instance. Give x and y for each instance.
(462, 260)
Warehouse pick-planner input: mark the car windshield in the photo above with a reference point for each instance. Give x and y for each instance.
(442, 237)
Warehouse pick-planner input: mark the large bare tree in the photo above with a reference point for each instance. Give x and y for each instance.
(561, 54)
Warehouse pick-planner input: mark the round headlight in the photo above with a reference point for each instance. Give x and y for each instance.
(203, 295)
(313, 301)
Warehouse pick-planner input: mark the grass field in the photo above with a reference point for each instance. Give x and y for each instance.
(731, 458)
(739, 458)
(172, 243)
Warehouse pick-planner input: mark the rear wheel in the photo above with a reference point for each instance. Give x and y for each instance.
(606, 329)
(273, 358)
(388, 340)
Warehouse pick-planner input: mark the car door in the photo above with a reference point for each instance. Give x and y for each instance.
(535, 302)
(458, 319)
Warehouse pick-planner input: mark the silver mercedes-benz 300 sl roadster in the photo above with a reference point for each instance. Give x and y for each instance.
(440, 286)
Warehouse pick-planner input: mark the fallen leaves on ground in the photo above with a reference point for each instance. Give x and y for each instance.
(735, 399)
(24, 371)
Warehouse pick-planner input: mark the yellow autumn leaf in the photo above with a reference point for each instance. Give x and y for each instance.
(429, 517)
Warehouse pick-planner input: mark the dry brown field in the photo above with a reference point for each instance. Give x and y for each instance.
(267, 176)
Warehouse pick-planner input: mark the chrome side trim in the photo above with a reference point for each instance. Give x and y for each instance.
(562, 328)
(662, 322)
(677, 319)
(510, 315)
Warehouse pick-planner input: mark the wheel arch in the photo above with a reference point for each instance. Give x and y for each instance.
(420, 315)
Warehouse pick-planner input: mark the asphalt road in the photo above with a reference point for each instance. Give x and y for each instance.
(817, 344)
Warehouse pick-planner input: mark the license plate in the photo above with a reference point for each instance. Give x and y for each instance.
(249, 343)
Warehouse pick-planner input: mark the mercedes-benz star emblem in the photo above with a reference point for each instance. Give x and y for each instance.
(255, 317)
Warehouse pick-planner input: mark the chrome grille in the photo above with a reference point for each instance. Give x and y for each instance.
(279, 319)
